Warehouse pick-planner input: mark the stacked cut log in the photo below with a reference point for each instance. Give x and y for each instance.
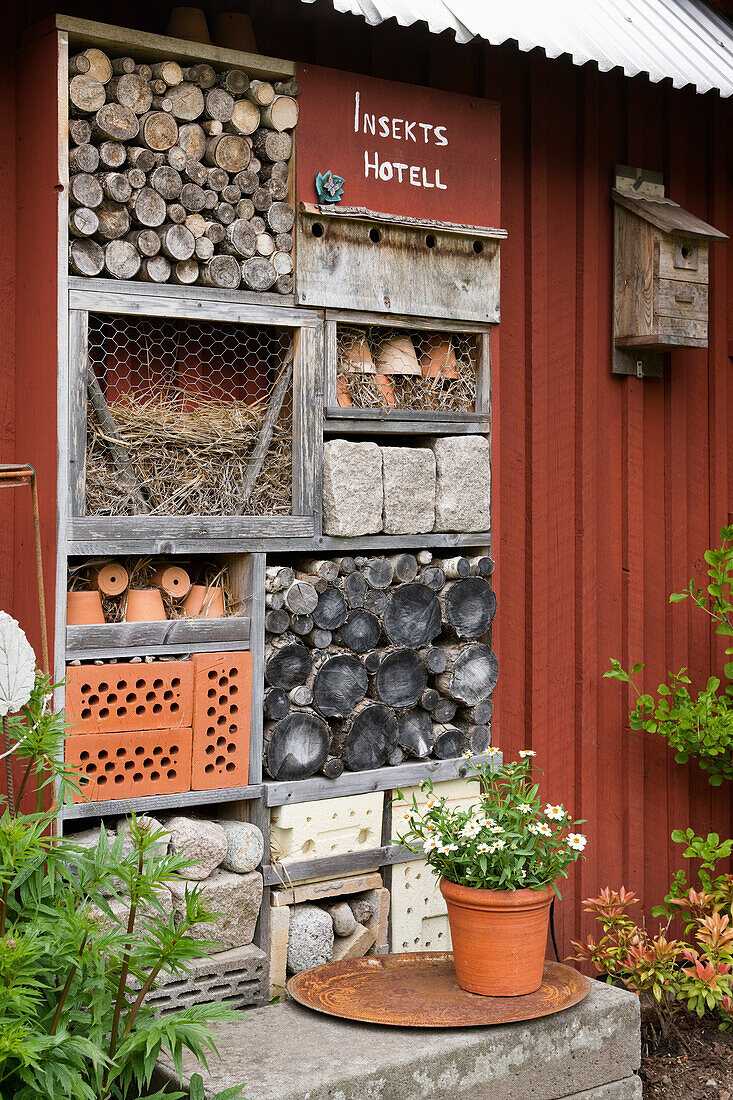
(180, 174)
(374, 661)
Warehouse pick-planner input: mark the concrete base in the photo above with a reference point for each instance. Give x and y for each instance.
(285, 1052)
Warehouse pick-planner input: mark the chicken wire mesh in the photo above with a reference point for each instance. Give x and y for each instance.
(386, 368)
(188, 417)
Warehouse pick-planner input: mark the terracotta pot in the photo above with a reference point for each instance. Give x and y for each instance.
(174, 581)
(144, 605)
(398, 356)
(205, 603)
(233, 29)
(386, 390)
(499, 938)
(83, 608)
(343, 396)
(439, 361)
(189, 23)
(354, 354)
(112, 579)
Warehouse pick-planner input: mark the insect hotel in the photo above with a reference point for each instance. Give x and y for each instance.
(273, 553)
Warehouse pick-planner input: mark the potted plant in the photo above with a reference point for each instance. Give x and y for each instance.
(498, 861)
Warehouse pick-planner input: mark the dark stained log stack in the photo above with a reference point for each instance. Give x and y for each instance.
(200, 142)
(389, 654)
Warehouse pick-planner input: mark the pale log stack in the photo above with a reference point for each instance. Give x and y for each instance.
(374, 661)
(180, 174)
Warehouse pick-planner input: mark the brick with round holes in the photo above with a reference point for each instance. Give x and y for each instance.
(128, 765)
(222, 704)
(124, 697)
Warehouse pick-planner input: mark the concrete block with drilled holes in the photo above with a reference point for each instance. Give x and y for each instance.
(323, 889)
(235, 978)
(332, 827)
(352, 488)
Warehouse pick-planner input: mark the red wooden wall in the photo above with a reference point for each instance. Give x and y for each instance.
(607, 490)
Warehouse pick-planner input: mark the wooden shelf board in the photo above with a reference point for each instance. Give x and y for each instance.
(348, 863)
(396, 426)
(178, 635)
(143, 46)
(146, 804)
(381, 779)
(82, 545)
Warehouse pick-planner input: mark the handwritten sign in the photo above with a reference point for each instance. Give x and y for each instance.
(402, 149)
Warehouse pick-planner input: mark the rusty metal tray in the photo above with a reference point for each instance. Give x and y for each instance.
(419, 989)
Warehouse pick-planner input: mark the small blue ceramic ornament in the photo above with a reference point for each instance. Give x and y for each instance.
(329, 187)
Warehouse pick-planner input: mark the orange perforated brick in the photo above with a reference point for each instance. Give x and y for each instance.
(127, 765)
(222, 702)
(125, 697)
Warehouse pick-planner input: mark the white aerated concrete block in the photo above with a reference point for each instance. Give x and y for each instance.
(279, 932)
(334, 826)
(463, 493)
(236, 978)
(409, 490)
(419, 916)
(352, 488)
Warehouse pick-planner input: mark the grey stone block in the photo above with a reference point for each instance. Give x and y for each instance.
(310, 941)
(409, 479)
(285, 1052)
(204, 842)
(463, 492)
(155, 850)
(235, 978)
(235, 899)
(245, 846)
(147, 912)
(352, 488)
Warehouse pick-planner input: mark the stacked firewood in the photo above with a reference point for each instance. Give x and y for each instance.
(179, 174)
(372, 661)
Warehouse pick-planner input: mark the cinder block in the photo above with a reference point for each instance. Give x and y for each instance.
(419, 916)
(235, 978)
(335, 826)
(326, 888)
(408, 475)
(279, 933)
(463, 487)
(352, 488)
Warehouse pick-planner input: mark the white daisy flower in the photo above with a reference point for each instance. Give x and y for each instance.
(527, 752)
(471, 828)
(525, 807)
(482, 848)
(494, 827)
(577, 841)
(491, 751)
(468, 754)
(431, 844)
(407, 817)
(497, 846)
(446, 849)
(555, 813)
(543, 829)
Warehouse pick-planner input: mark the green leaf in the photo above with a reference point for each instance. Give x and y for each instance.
(677, 597)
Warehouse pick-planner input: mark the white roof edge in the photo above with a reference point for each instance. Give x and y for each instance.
(685, 41)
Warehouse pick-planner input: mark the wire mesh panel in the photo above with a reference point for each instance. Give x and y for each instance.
(188, 417)
(385, 368)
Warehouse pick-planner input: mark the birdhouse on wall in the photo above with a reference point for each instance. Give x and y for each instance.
(661, 274)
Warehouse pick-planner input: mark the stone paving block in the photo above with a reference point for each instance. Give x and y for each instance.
(409, 479)
(326, 888)
(204, 842)
(236, 900)
(463, 488)
(279, 932)
(334, 826)
(352, 488)
(285, 1052)
(354, 946)
(236, 978)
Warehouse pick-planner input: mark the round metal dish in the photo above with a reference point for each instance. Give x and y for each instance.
(419, 989)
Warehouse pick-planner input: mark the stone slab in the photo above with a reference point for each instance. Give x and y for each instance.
(236, 978)
(354, 946)
(326, 888)
(234, 899)
(352, 488)
(408, 475)
(331, 827)
(285, 1052)
(463, 488)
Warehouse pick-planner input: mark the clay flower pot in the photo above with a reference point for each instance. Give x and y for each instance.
(233, 29)
(343, 394)
(173, 580)
(189, 23)
(398, 356)
(144, 605)
(499, 938)
(439, 361)
(83, 608)
(111, 579)
(204, 603)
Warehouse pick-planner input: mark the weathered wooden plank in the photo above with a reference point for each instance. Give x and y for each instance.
(182, 634)
(445, 417)
(381, 779)
(135, 528)
(668, 216)
(404, 427)
(111, 296)
(346, 863)
(152, 802)
(404, 320)
(77, 427)
(84, 543)
(154, 47)
(256, 589)
(259, 815)
(483, 378)
(307, 403)
(330, 366)
(216, 646)
(360, 213)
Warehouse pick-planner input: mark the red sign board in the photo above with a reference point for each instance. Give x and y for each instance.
(401, 149)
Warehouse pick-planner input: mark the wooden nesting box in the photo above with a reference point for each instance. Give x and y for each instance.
(661, 275)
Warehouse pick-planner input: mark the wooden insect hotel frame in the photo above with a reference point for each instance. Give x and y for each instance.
(256, 377)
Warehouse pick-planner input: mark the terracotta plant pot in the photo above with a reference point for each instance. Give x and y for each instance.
(144, 605)
(204, 603)
(398, 356)
(111, 579)
(343, 395)
(355, 354)
(173, 580)
(499, 938)
(439, 361)
(189, 23)
(233, 29)
(83, 608)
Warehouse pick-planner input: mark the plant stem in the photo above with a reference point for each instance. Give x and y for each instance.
(4, 908)
(24, 780)
(65, 990)
(8, 761)
(122, 984)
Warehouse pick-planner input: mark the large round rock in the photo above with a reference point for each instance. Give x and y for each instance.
(310, 941)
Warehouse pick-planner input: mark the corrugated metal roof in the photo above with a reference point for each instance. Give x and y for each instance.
(684, 40)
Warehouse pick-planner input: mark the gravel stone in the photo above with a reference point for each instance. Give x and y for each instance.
(344, 922)
(234, 898)
(310, 942)
(205, 842)
(246, 846)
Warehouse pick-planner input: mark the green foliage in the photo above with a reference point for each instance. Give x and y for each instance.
(196, 1090)
(707, 852)
(83, 938)
(717, 599)
(505, 841)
